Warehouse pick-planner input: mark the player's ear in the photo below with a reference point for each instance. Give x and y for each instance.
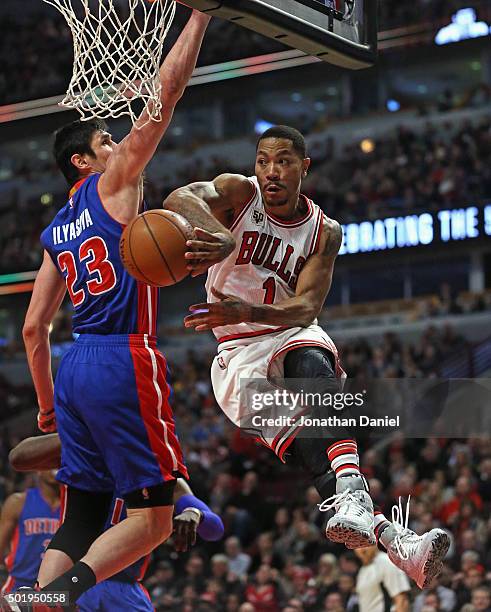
(79, 161)
(305, 166)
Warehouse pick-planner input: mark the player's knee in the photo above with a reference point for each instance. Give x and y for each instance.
(85, 517)
(312, 362)
(155, 525)
(153, 507)
(160, 524)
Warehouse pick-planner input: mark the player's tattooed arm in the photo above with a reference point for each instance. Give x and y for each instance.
(36, 453)
(313, 285)
(210, 207)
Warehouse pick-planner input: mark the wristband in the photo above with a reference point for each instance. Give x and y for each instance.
(195, 511)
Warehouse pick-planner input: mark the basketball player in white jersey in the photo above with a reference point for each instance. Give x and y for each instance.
(263, 303)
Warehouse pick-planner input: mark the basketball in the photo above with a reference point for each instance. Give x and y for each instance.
(152, 247)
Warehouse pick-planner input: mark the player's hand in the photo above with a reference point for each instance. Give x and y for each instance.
(230, 310)
(47, 421)
(207, 250)
(185, 527)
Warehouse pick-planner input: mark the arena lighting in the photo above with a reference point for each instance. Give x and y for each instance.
(464, 26)
(261, 126)
(367, 145)
(416, 230)
(393, 106)
(17, 277)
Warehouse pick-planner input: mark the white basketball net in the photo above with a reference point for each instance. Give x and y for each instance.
(117, 47)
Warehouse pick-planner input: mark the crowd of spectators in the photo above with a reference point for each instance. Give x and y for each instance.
(26, 74)
(407, 170)
(274, 555)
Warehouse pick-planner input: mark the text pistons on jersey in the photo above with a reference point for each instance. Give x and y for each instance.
(261, 249)
(72, 230)
(36, 526)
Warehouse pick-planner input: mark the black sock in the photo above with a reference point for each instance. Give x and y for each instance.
(76, 581)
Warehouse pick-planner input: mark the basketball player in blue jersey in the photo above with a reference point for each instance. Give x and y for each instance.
(124, 591)
(28, 522)
(263, 304)
(110, 401)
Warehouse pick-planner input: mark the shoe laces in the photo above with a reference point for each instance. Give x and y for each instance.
(336, 500)
(400, 523)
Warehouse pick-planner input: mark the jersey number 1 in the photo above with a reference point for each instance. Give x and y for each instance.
(269, 286)
(93, 252)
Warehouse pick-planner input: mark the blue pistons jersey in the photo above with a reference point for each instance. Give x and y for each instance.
(83, 242)
(112, 397)
(37, 524)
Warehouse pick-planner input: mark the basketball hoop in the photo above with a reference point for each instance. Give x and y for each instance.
(117, 48)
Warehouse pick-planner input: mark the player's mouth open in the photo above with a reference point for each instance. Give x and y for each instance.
(273, 189)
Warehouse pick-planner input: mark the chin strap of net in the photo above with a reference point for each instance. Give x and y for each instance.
(117, 50)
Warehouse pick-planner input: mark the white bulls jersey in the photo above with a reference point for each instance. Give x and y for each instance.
(267, 260)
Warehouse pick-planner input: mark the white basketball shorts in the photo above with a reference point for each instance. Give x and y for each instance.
(262, 358)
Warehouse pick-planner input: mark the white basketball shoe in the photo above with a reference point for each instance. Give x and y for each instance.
(420, 557)
(352, 523)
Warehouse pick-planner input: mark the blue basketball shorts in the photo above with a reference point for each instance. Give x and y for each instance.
(111, 595)
(113, 415)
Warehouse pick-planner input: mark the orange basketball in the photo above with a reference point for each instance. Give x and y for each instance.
(152, 247)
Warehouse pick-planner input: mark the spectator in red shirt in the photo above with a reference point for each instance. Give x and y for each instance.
(263, 592)
(463, 492)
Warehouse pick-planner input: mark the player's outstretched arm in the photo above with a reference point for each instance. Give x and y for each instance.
(36, 453)
(210, 207)
(8, 519)
(47, 295)
(130, 157)
(313, 285)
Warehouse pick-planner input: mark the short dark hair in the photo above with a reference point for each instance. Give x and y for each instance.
(74, 138)
(288, 133)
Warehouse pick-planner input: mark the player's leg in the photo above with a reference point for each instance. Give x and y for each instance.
(335, 449)
(82, 470)
(131, 424)
(421, 557)
(134, 537)
(84, 516)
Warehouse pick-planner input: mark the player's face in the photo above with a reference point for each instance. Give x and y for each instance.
(102, 144)
(279, 170)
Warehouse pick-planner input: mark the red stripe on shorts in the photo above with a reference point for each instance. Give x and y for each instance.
(153, 395)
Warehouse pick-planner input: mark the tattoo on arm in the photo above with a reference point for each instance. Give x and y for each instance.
(334, 237)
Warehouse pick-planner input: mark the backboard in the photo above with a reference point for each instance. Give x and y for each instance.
(341, 32)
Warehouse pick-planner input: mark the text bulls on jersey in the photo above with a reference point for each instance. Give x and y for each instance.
(264, 250)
